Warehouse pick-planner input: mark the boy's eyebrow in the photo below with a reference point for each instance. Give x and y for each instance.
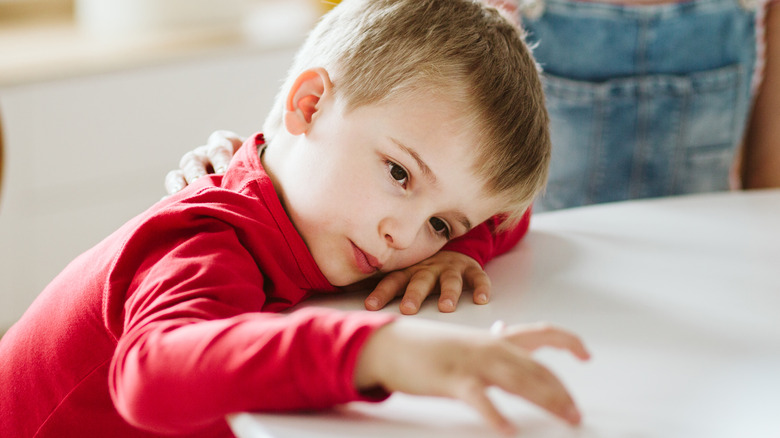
(428, 174)
(426, 171)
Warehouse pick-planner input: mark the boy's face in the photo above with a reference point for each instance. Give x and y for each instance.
(381, 187)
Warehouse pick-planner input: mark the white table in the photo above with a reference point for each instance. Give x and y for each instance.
(677, 299)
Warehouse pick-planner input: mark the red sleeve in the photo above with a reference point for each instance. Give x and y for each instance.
(195, 346)
(484, 242)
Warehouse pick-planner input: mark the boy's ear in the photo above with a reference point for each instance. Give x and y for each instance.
(303, 99)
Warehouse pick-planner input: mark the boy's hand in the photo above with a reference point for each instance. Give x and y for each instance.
(448, 269)
(213, 157)
(435, 359)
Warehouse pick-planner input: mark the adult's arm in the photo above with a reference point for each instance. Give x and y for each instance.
(761, 152)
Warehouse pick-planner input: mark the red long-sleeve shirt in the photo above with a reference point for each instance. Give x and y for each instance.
(170, 323)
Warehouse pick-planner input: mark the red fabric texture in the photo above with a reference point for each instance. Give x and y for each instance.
(484, 242)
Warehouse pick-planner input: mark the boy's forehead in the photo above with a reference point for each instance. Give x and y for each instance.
(432, 126)
(438, 113)
(436, 124)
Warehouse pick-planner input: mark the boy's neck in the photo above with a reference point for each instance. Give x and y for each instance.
(270, 159)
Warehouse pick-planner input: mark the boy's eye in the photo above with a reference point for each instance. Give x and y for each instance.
(397, 172)
(440, 227)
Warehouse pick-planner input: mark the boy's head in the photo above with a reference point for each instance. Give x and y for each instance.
(462, 50)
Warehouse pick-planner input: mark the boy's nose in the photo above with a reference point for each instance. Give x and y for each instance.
(398, 233)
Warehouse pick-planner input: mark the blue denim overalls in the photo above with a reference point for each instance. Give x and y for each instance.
(645, 101)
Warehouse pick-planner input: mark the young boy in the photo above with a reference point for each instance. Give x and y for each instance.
(404, 123)
(460, 262)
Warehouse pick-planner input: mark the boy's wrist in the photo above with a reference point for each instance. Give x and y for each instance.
(369, 364)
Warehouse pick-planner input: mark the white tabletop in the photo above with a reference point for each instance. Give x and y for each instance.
(677, 299)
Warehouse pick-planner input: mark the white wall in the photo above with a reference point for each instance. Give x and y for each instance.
(85, 154)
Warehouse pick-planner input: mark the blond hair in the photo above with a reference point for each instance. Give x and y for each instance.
(376, 49)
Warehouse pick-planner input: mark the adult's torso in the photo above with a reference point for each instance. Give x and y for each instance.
(646, 98)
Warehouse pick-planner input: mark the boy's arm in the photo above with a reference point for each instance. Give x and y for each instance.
(485, 242)
(195, 341)
(194, 345)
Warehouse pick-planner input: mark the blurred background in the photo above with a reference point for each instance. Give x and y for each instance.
(100, 98)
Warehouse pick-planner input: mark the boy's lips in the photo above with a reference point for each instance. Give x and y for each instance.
(367, 263)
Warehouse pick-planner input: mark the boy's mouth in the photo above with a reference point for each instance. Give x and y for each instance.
(367, 263)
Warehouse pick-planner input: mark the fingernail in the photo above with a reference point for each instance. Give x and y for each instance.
(408, 307)
(482, 299)
(573, 415)
(448, 304)
(372, 303)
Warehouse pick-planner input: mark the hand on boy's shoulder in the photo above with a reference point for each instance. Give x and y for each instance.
(210, 158)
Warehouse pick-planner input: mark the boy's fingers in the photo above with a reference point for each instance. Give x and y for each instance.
(174, 181)
(480, 283)
(540, 386)
(451, 285)
(474, 395)
(420, 286)
(387, 289)
(556, 400)
(544, 335)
